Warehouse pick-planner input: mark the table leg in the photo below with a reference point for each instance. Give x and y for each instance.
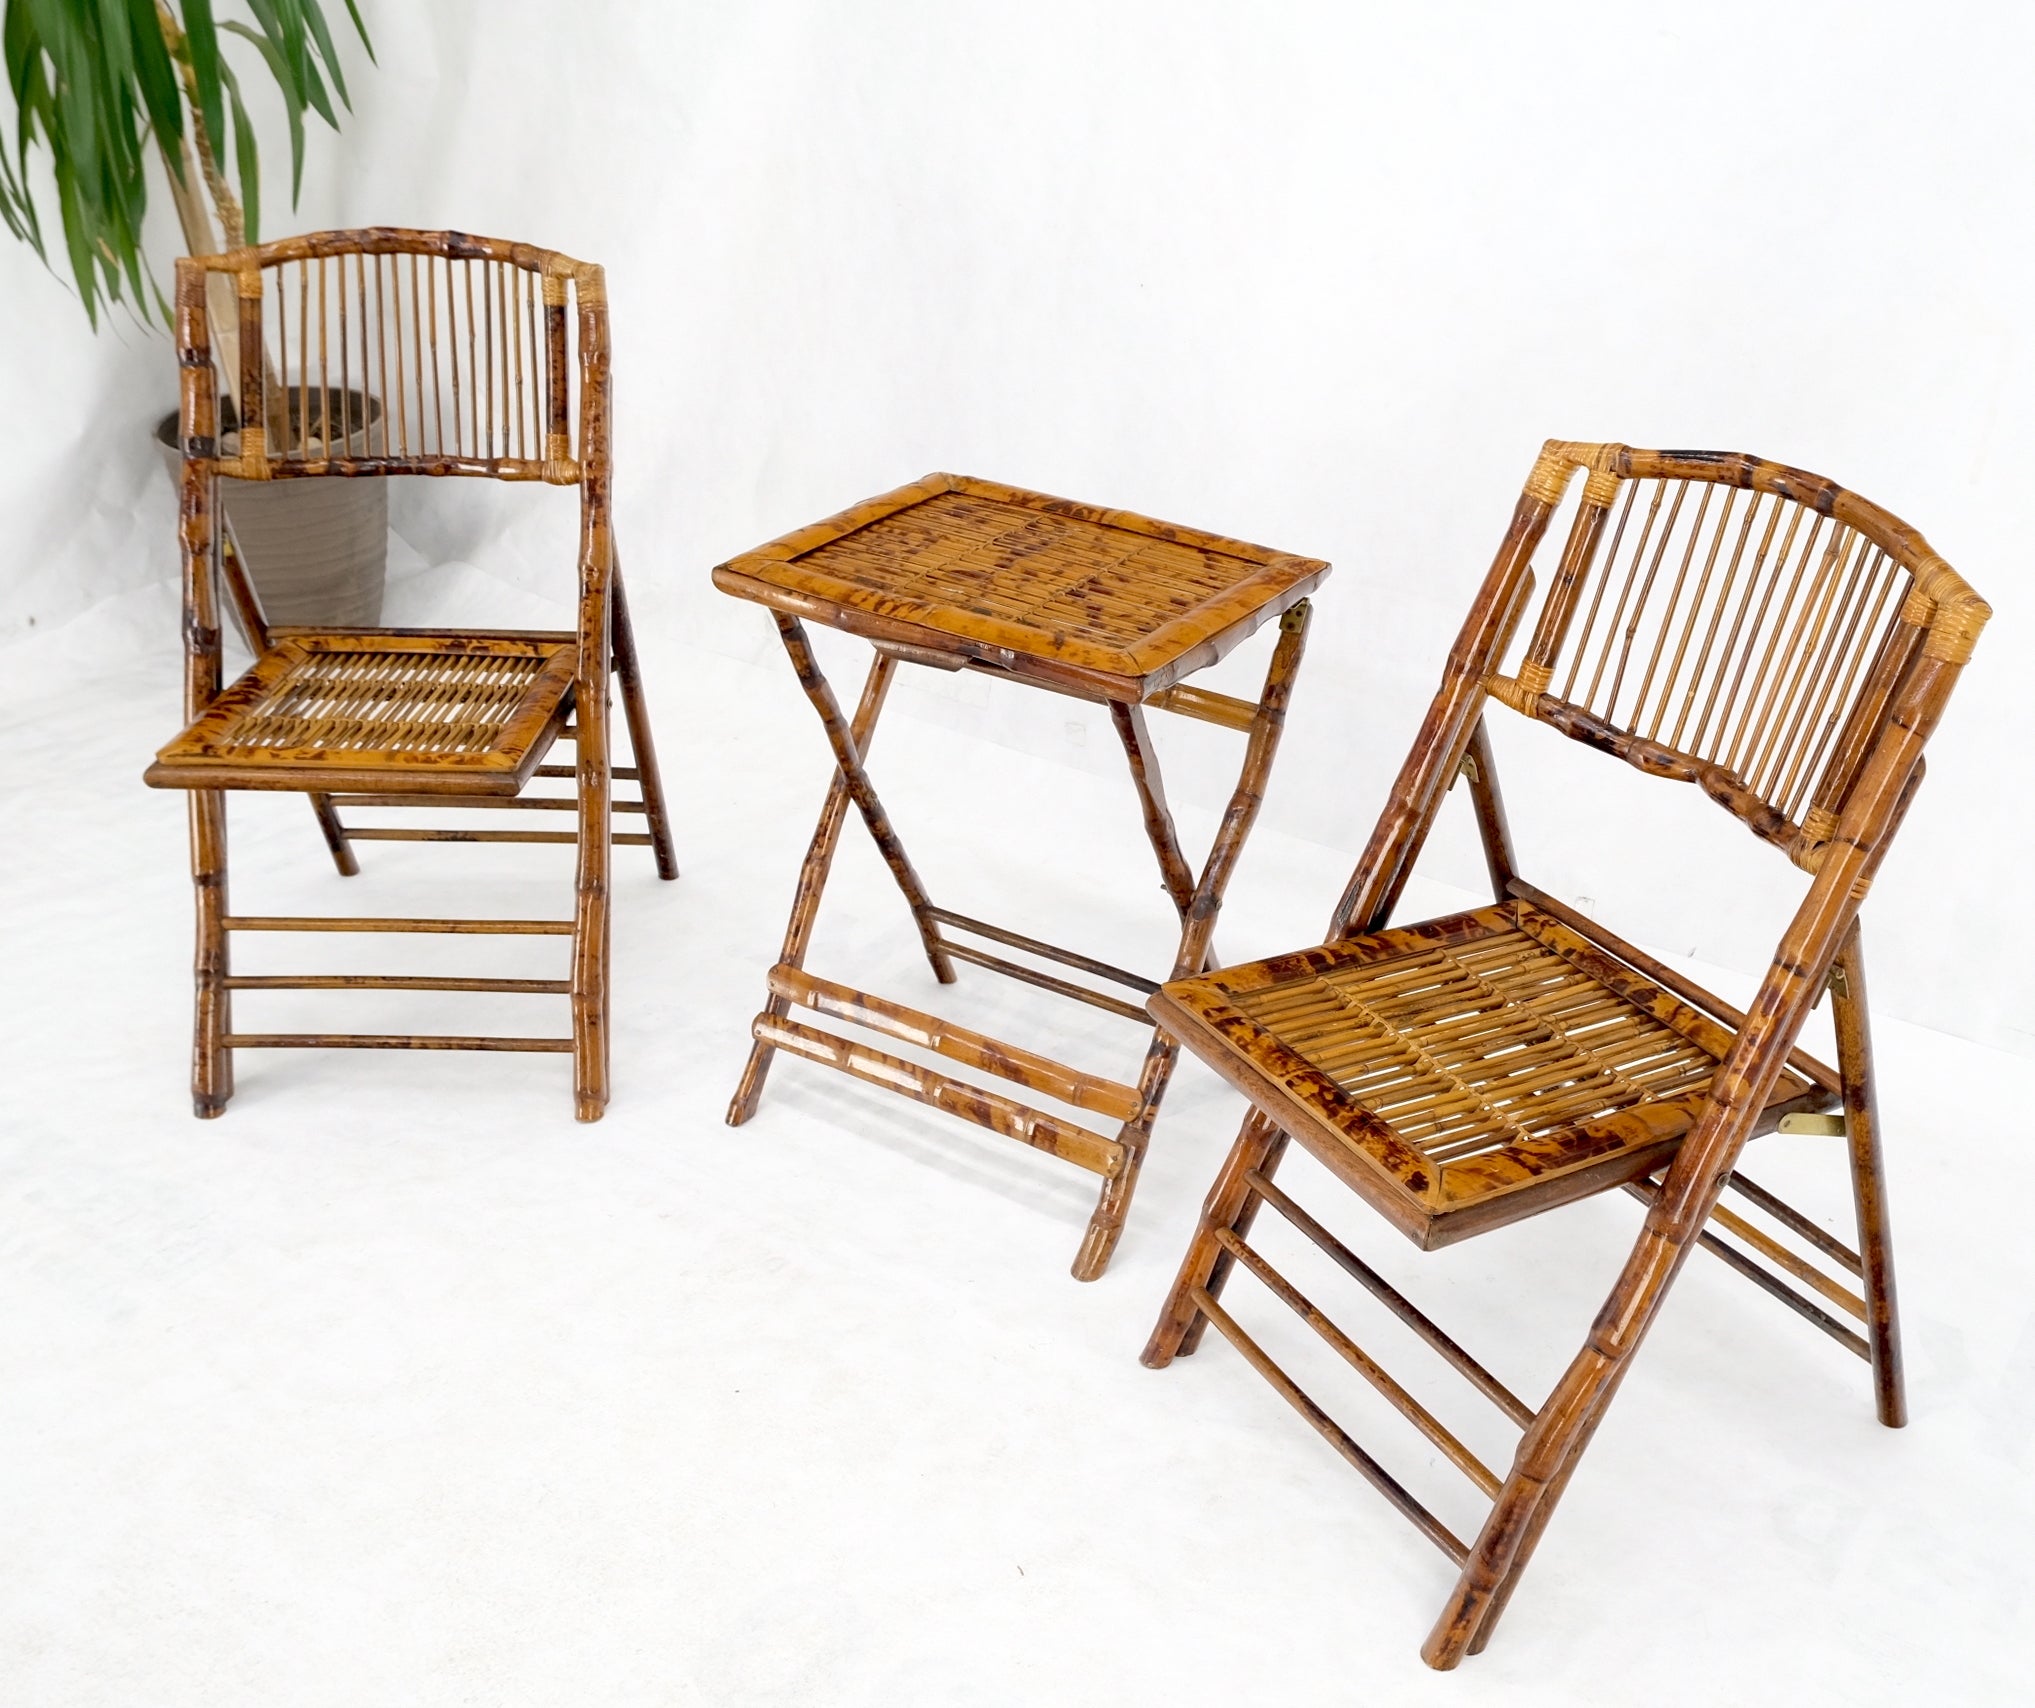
(812, 880)
(1136, 737)
(1105, 1226)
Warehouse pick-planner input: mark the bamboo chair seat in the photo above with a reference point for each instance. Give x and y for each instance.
(1468, 1071)
(1017, 580)
(448, 712)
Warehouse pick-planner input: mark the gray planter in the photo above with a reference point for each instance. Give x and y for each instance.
(317, 551)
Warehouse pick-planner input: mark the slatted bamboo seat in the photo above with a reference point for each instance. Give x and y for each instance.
(1786, 646)
(1472, 1070)
(958, 573)
(360, 355)
(442, 711)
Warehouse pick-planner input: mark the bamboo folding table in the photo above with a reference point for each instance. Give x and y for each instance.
(957, 573)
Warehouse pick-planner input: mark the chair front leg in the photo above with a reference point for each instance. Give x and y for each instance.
(1198, 917)
(591, 919)
(1231, 1205)
(211, 1059)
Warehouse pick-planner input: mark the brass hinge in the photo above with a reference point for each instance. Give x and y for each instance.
(1829, 1126)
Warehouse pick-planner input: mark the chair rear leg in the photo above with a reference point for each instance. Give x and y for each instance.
(1868, 1181)
(211, 1060)
(649, 780)
(327, 816)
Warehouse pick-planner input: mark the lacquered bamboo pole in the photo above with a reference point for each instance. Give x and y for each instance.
(642, 745)
(1174, 872)
(1868, 1178)
(1232, 1203)
(1388, 858)
(1492, 830)
(812, 882)
(862, 791)
(591, 919)
(1105, 1226)
(211, 1061)
(335, 834)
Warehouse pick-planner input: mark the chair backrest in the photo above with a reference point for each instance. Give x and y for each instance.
(1759, 631)
(398, 352)
(380, 352)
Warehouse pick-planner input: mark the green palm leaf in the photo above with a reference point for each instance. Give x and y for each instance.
(100, 86)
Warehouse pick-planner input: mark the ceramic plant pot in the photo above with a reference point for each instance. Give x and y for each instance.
(317, 551)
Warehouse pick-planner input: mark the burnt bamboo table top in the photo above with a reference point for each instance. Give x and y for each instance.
(1100, 602)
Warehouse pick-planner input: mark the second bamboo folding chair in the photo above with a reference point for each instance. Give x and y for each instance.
(1787, 647)
(360, 355)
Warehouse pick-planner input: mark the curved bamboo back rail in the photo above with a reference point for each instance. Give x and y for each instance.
(1715, 618)
(1736, 624)
(387, 351)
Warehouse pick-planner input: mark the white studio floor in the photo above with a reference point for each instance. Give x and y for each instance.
(397, 1386)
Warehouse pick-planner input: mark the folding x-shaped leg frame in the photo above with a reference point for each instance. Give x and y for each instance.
(1196, 898)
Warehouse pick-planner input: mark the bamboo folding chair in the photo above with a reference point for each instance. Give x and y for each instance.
(958, 573)
(1787, 647)
(364, 354)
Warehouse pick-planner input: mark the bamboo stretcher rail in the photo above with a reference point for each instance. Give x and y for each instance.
(1362, 1362)
(394, 981)
(1047, 951)
(1797, 1223)
(983, 1107)
(1392, 1299)
(1330, 1431)
(476, 927)
(392, 1041)
(1206, 705)
(943, 1037)
(1774, 1252)
(1766, 1281)
(504, 803)
(570, 838)
(1045, 981)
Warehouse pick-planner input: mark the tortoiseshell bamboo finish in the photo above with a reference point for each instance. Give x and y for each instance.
(489, 381)
(1760, 632)
(953, 572)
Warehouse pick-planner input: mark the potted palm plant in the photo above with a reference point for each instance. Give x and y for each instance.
(102, 86)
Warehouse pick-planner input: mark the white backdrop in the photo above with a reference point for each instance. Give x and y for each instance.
(1319, 275)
